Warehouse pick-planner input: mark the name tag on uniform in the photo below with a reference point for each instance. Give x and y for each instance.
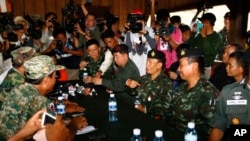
(236, 102)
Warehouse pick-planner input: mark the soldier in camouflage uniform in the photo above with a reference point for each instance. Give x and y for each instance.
(93, 61)
(154, 88)
(28, 98)
(15, 76)
(194, 99)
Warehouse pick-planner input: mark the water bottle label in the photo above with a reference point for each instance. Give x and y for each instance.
(85, 74)
(190, 137)
(60, 109)
(112, 106)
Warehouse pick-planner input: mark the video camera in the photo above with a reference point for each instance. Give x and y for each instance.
(59, 45)
(11, 36)
(70, 23)
(134, 26)
(164, 30)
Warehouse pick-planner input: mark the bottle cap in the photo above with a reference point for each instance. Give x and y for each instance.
(60, 98)
(112, 95)
(158, 133)
(137, 131)
(191, 125)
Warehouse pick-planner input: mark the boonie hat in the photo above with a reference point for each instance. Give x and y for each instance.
(40, 66)
(22, 54)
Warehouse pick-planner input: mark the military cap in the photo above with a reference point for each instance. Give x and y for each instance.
(208, 16)
(156, 54)
(227, 15)
(40, 66)
(22, 54)
(121, 48)
(191, 52)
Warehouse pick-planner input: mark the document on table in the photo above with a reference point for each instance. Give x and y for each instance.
(86, 130)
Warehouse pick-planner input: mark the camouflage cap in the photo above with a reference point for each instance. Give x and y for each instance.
(22, 54)
(40, 66)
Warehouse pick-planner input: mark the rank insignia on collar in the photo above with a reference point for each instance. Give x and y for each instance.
(152, 53)
(235, 121)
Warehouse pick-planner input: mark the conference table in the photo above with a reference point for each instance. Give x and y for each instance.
(128, 118)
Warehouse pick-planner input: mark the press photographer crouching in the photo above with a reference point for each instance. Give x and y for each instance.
(67, 53)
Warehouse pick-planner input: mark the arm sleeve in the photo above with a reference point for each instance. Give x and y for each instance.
(128, 41)
(220, 118)
(107, 61)
(211, 46)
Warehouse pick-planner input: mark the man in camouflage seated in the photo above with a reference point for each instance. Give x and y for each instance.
(154, 87)
(194, 99)
(28, 98)
(15, 76)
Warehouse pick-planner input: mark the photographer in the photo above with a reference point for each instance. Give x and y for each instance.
(69, 54)
(139, 38)
(168, 37)
(47, 30)
(91, 31)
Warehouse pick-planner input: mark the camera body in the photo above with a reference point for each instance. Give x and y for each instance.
(59, 45)
(164, 30)
(134, 26)
(70, 23)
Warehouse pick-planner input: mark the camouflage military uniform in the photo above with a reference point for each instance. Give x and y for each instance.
(196, 104)
(227, 112)
(94, 66)
(13, 79)
(155, 95)
(225, 36)
(19, 106)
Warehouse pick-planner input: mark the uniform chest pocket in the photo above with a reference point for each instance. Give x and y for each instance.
(236, 109)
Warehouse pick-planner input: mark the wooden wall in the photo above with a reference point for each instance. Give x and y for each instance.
(118, 7)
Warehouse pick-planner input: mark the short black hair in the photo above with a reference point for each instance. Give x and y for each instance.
(107, 34)
(184, 27)
(175, 19)
(200, 61)
(59, 31)
(162, 15)
(237, 46)
(238, 55)
(47, 15)
(91, 42)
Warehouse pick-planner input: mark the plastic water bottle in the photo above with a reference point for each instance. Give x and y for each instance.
(112, 108)
(136, 135)
(85, 73)
(158, 136)
(137, 101)
(60, 106)
(190, 133)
